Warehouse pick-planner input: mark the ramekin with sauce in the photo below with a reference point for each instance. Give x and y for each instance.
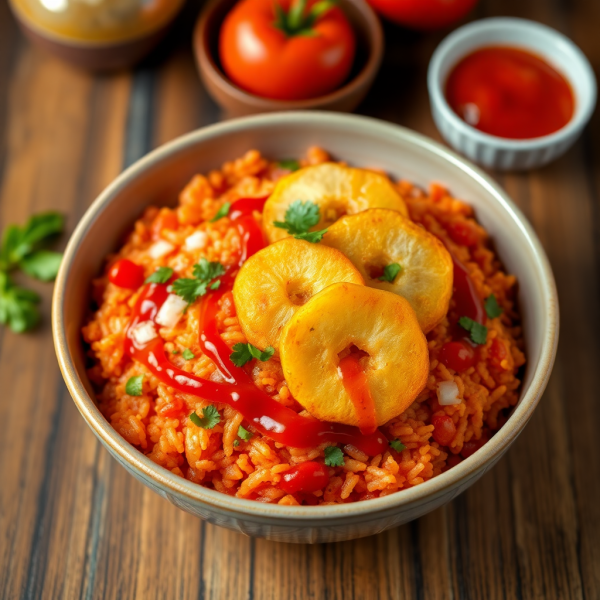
(537, 47)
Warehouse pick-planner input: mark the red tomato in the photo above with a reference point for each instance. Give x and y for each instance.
(462, 233)
(126, 274)
(457, 355)
(287, 54)
(444, 429)
(306, 477)
(498, 353)
(424, 15)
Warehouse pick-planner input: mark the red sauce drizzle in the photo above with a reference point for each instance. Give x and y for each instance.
(356, 384)
(510, 93)
(265, 414)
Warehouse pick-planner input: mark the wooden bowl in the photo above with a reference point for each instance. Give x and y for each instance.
(237, 102)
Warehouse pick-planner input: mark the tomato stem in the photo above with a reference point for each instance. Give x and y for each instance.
(296, 21)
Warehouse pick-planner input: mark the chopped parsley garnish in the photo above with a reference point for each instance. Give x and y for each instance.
(204, 272)
(477, 330)
(236, 443)
(390, 272)
(242, 353)
(174, 351)
(133, 387)
(299, 218)
(188, 354)
(222, 212)
(210, 417)
(161, 275)
(289, 164)
(334, 457)
(244, 434)
(21, 248)
(492, 308)
(397, 445)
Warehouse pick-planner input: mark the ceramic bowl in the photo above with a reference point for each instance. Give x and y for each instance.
(501, 153)
(237, 102)
(158, 178)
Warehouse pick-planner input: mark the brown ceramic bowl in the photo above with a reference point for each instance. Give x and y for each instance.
(237, 102)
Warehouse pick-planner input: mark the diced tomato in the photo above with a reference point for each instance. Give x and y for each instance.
(166, 219)
(126, 274)
(306, 477)
(463, 233)
(458, 356)
(444, 429)
(498, 353)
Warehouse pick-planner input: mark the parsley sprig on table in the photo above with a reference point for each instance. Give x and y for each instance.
(299, 218)
(22, 248)
(205, 277)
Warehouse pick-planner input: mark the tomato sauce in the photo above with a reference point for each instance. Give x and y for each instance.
(510, 93)
(260, 410)
(355, 383)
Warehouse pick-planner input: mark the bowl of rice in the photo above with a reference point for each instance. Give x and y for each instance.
(242, 319)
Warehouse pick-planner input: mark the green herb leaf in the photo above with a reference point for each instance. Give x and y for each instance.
(242, 353)
(188, 354)
(210, 417)
(397, 445)
(17, 306)
(42, 264)
(314, 237)
(222, 212)
(215, 285)
(18, 242)
(334, 457)
(492, 308)
(289, 164)
(390, 272)
(207, 271)
(244, 434)
(299, 217)
(477, 330)
(161, 275)
(134, 386)
(189, 289)
(236, 443)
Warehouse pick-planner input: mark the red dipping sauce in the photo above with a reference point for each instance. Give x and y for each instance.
(509, 93)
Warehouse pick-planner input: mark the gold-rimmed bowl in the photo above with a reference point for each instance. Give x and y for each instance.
(158, 178)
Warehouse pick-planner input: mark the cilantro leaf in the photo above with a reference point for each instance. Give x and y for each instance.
(188, 354)
(222, 212)
(189, 289)
(242, 353)
(18, 242)
(134, 387)
(314, 237)
(42, 264)
(334, 457)
(397, 445)
(236, 443)
(210, 417)
(390, 272)
(492, 308)
(215, 285)
(161, 275)
(477, 330)
(299, 217)
(244, 434)
(207, 271)
(17, 306)
(289, 164)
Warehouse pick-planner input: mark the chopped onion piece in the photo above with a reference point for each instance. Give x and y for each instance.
(143, 332)
(448, 393)
(160, 248)
(196, 241)
(171, 310)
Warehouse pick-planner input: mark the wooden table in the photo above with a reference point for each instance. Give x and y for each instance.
(75, 524)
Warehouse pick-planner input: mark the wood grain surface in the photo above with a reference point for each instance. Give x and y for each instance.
(73, 524)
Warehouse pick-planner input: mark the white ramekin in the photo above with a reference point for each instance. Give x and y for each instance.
(501, 153)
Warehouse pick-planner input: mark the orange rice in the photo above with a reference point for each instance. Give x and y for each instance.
(253, 469)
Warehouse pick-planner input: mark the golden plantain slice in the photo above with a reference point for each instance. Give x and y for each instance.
(377, 238)
(336, 189)
(274, 283)
(383, 326)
